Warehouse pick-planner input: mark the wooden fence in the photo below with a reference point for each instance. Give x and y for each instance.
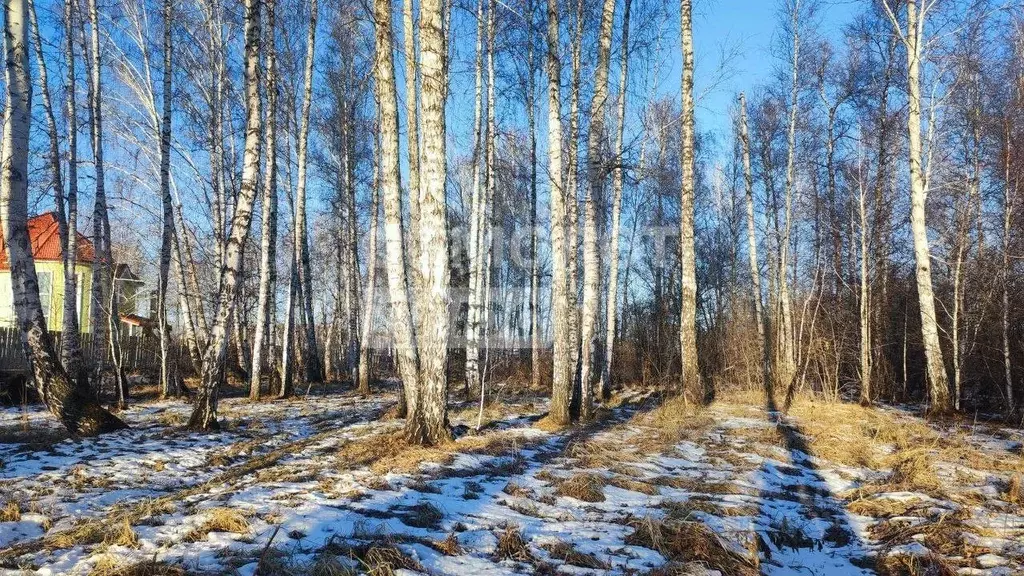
(140, 353)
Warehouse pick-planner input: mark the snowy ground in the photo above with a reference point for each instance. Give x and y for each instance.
(321, 486)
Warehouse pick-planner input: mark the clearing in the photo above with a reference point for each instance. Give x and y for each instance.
(321, 485)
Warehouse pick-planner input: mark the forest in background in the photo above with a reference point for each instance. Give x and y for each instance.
(477, 191)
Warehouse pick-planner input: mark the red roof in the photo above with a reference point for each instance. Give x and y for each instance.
(42, 232)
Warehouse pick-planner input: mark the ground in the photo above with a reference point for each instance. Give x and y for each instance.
(322, 485)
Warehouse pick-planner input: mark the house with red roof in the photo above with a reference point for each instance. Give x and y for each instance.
(48, 254)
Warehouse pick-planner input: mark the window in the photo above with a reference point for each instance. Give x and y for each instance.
(6, 300)
(45, 291)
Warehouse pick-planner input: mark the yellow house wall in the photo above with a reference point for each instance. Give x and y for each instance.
(56, 316)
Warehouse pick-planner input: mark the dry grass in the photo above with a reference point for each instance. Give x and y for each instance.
(391, 453)
(683, 510)
(512, 546)
(383, 560)
(586, 487)
(11, 512)
(906, 565)
(633, 485)
(912, 470)
(110, 566)
(567, 554)
(690, 542)
(219, 520)
(449, 546)
(423, 514)
(882, 507)
(122, 535)
(1014, 492)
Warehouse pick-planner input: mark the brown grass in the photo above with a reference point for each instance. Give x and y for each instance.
(690, 542)
(912, 470)
(586, 487)
(512, 546)
(1014, 492)
(111, 567)
(11, 512)
(567, 554)
(423, 514)
(449, 546)
(640, 486)
(122, 535)
(219, 520)
(906, 565)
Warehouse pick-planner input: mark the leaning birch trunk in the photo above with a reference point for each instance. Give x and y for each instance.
(938, 383)
(370, 292)
(167, 386)
(81, 414)
(204, 416)
(310, 355)
(67, 228)
(562, 376)
(595, 175)
(475, 221)
(402, 327)
(102, 272)
(531, 116)
(760, 320)
(613, 238)
(261, 350)
(428, 421)
(689, 384)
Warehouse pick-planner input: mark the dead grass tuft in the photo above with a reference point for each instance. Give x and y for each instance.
(908, 565)
(585, 487)
(122, 535)
(912, 470)
(384, 560)
(690, 542)
(11, 512)
(449, 546)
(567, 554)
(882, 507)
(683, 510)
(512, 546)
(640, 486)
(1014, 492)
(219, 520)
(423, 514)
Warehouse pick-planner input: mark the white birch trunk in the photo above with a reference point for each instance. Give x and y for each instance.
(690, 384)
(402, 326)
(428, 421)
(593, 192)
(613, 238)
(562, 377)
(204, 415)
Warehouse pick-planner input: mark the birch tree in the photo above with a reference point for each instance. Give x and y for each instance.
(204, 414)
(80, 413)
(67, 220)
(402, 327)
(596, 175)
(427, 422)
(562, 376)
(613, 239)
(689, 384)
(268, 243)
(912, 36)
(311, 356)
(760, 319)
